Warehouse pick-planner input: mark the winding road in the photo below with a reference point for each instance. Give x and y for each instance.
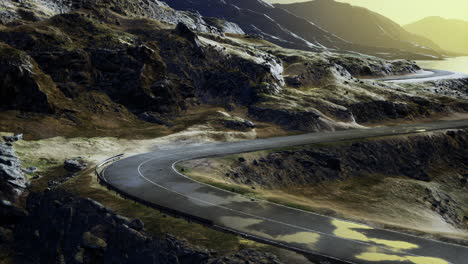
(425, 75)
(152, 178)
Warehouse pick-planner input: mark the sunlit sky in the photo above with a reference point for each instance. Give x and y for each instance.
(408, 11)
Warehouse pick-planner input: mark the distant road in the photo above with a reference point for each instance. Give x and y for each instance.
(151, 177)
(425, 76)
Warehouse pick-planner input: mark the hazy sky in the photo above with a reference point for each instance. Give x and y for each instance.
(407, 11)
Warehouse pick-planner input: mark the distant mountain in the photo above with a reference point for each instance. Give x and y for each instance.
(449, 34)
(257, 17)
(288, 30)
(361, 26)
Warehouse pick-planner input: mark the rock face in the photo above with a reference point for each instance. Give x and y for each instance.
(144, 68)
(12, 179)
(74, 165)
(62, 227)
(107, 59)
(412, 157)
(14, 138)
(238, 124)
(23, 85)
(35, 10)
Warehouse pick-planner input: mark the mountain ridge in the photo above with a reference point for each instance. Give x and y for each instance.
(450, 34)
(361, 26)
(282, 27)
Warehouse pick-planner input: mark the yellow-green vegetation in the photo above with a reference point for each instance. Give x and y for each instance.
(123, 125)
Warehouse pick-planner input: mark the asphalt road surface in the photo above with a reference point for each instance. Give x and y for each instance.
(152, 178)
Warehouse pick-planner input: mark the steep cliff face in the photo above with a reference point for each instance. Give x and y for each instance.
(12, 179)
(413, 157)
(62, 228)
(151, 66)
(24, 85)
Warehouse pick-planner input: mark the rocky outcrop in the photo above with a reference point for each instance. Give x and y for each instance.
(12, 180)
(14, 138)
(144, 68)
(34, 10)
(412, 157)
(450, 209)
(456, 87)
(23, 85)
(239, 124)
(63, 228)
(309, 120)
(75, 164)
(105, 59)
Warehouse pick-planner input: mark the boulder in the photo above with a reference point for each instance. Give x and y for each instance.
(94, 242)
(154, 118)
(12, 179)
(239, 124)
(75, 165)
(137, 224)
(12, 139)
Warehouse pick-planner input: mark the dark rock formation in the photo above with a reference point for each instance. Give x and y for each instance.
(412, 157)
(239, 124)
(14, 138)
(64, 228)
(12, 179)
(10, 214)
(23, 85)
(155, 118)
(34, 10)
(145, 68)
(447, 207)
(74, 165)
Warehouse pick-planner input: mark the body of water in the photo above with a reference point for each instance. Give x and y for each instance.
(457, 64)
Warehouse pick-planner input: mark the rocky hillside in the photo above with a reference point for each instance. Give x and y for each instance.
(13, 182)
(89, 64)
(413, 158)
(257, 17)
(361, 26)
(449, 34)
(290, 30)
(36, 10)
(84, 231)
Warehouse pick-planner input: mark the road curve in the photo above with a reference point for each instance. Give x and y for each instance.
(151, 178)
(425, 75)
